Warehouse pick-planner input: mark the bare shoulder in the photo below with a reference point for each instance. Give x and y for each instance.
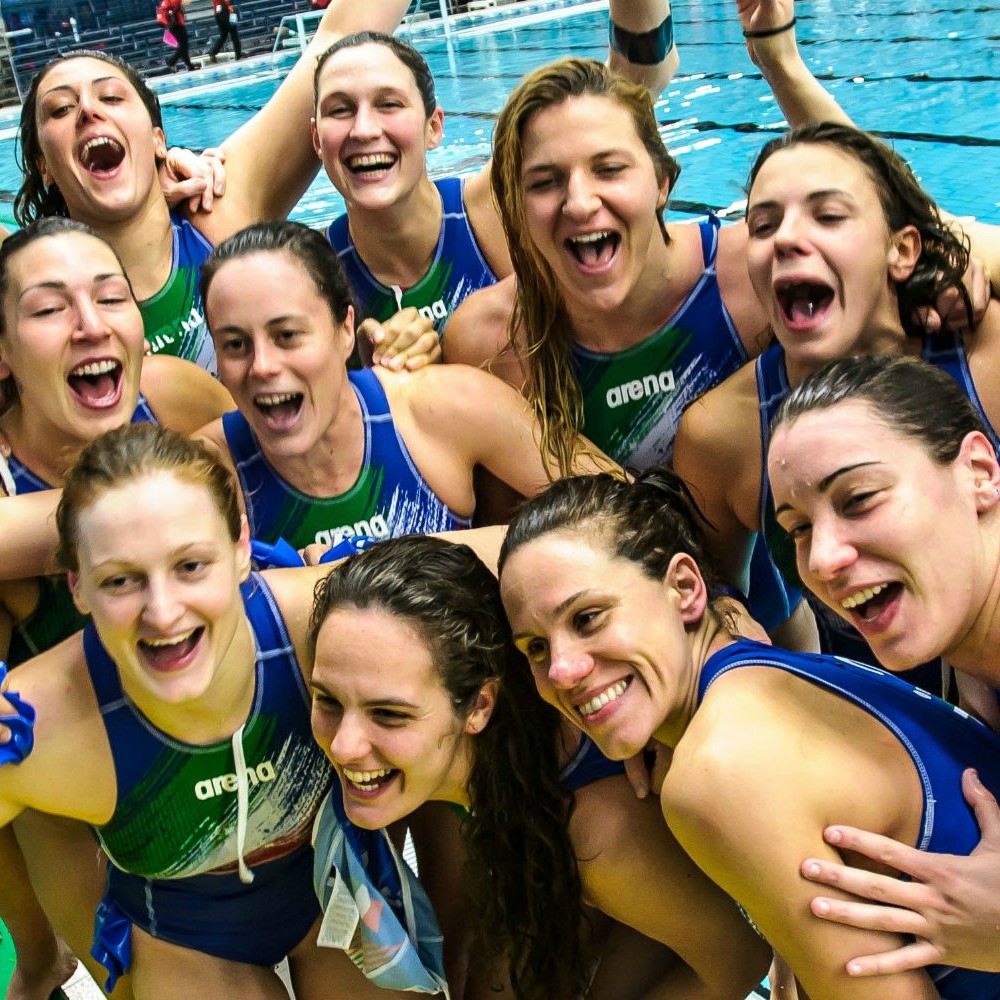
(68, 730)
(724, 422)
(183, 396)
(485, 222)
(477, 332)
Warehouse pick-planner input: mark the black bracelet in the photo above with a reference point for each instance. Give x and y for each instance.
(768, 32)
(645, 48)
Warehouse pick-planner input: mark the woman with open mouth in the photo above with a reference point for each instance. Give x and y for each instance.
(71, 357)
(844, 249)
(406, 240)
(419, 697)
(176, 725)
(91, 136)
(610, 598)
(323, 454)
(886, 478)
(620, 318)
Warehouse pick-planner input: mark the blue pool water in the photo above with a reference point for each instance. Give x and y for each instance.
(923, 73)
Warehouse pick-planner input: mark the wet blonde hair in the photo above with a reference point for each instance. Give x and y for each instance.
(539, 310)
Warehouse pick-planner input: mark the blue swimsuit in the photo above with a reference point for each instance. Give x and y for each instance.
(458, 269)
(390, 498)
(941, 740)
(174, 840)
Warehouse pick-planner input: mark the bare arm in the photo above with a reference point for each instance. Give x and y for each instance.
(950, 905)
(183, 396)
(270, 160)
(627, 844)
(645, 52)
(28, 536)
(484, 420)
(801, 97)
(717, 454)
(743, 806)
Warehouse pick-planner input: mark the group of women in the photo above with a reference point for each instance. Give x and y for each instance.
(249, 743)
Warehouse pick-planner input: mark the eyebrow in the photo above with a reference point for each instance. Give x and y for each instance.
(61, 285)
(556, 612)
(813, 197)
(374, 703)
(827, 481)
(604, 154)
(72, 89)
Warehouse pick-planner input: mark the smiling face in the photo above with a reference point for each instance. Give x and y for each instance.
(97, 141)
(606, 643)
(884, 535)
(280, 353)
(821, 258)
(160, 574)
(384, 718)
(73, 337)
(592, 200)
(371, 129)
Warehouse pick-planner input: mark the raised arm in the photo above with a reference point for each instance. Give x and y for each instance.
(769, 29)
(641, 42)
(270, 160)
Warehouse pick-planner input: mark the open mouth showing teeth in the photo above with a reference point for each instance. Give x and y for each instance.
(801, 301)
(867, 604)
(165, 652)
(279, 408)
(370, 781)
(607, 696)
(594, 248)
(371, 163)
(96, 383)
(101, 155)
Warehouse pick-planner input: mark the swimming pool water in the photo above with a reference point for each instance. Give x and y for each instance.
(923, 74)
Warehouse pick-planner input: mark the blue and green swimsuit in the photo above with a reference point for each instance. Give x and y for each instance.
(389, 498)
(458, 269)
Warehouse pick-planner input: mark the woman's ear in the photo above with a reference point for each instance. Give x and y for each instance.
(43, 170)
(243, 549)
(435, 128)
(979, 458)
(73, 580)
(686, 585)
(347, 332)
(904, 253)
(482, 711)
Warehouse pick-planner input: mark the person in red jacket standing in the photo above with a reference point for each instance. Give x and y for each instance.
(170, 14)
(225, 18)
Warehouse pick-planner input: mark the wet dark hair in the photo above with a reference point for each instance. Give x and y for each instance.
(129, 453)
(309, 247)
(33, 199)
(403, 51)
(944, 256)
(908, 395)
(647, 521)
(521, 870)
